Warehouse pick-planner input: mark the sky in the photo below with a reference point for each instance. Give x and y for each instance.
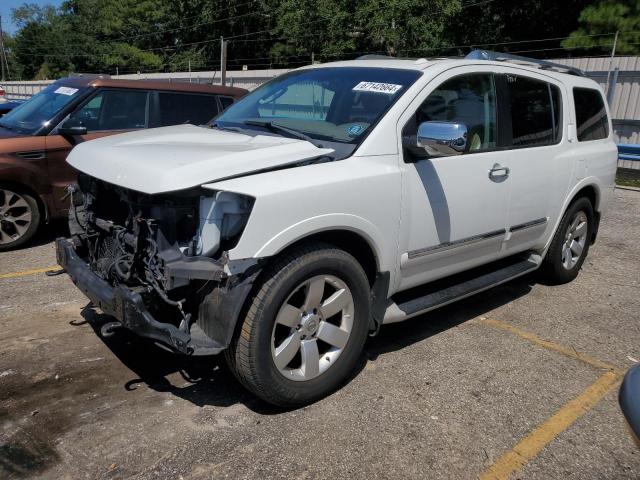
(7, 5)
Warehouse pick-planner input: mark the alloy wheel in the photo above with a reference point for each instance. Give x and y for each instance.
(575, 240)
(15, 216)
(312, 328)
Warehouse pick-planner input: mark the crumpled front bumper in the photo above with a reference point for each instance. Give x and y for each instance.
(128, 307)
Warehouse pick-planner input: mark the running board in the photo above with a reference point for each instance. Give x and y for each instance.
(440, 293)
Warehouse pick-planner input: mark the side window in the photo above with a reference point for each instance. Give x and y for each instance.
(309, 101)
(535, 111)
(468, 99)
(226, 102)
(179, 108)
(113, 110)
(591, 115)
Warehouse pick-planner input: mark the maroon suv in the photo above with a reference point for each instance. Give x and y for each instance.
(36, 137)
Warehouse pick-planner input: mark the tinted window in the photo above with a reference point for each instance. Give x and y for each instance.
(179, 108)
(226, 102)
(113, 110)
(591, 115)
(468, 99)
(535, 111)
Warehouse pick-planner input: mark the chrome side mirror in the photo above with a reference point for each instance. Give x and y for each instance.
(442, 138)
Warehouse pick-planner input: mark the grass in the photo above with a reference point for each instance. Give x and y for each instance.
(626, 177)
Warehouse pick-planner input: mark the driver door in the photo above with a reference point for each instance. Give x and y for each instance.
(454, 211)
(107, 112)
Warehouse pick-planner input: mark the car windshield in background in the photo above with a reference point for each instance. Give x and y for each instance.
(36, 112)
(333, 104)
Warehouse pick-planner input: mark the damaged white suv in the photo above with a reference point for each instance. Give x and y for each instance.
(334, 199)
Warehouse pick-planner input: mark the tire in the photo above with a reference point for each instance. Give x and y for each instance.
(570, 240)
(20, 217)
(261, 353)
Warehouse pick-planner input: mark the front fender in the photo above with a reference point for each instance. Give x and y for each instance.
(323, 223)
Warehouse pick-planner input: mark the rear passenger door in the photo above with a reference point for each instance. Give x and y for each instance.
(539, 163)
(177, 108)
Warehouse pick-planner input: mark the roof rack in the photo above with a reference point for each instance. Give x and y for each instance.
(533, 62)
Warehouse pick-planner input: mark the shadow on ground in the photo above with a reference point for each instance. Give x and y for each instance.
(208, 381)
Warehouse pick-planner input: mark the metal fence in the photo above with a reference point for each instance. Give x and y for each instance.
(24, 90)
(249, 79)
(623, 86)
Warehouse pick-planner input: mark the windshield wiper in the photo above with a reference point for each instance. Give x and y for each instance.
(229, 129)
(274, 127)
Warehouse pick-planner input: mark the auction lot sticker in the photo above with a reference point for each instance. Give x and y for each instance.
(388, 88)
(65, 90)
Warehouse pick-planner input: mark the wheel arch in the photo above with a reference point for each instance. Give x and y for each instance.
(42, 205)
(352, 242)
(589, 189)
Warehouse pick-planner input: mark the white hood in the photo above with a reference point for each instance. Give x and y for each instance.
(174, 158)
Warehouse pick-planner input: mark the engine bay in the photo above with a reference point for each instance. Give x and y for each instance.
(169, 248)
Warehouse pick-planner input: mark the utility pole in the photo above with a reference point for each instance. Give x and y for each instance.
(613, 54)
(223, 62)
(2, 52)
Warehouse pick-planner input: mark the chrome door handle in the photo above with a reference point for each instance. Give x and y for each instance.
(498, 172)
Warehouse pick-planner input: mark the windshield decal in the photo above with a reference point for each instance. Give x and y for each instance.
(65, 90)
(355, 130)
(388, 88)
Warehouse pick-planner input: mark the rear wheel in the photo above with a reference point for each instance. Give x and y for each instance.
(305, 328)
(19, 217)
(570, 244)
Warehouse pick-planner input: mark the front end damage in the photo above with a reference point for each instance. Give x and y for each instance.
(158, 263)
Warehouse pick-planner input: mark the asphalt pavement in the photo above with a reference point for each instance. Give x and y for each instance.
(518, 382)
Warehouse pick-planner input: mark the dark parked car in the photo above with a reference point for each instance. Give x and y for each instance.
(7, 106)
(36, 137)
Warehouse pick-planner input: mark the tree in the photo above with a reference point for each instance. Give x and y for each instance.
(334, 29)
(600, 22)
(495, 24)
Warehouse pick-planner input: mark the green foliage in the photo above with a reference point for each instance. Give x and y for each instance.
(600, 21)
(128, 36)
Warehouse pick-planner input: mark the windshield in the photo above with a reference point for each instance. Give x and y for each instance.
(335, 104)
(36, 112)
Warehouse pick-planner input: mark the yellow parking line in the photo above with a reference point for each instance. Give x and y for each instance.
(533, 338)
(536, 440)
(28, 272)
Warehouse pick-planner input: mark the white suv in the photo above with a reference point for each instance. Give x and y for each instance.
(337, 198)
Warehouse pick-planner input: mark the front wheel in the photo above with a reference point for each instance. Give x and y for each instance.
(19, 217)
(305, 327)
(570, 244)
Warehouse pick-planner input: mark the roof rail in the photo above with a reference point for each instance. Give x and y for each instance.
(506, 57)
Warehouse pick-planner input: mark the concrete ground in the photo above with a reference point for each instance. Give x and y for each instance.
(521, 380)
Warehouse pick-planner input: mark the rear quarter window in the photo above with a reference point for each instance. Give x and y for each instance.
(591, 115)
(179, 108)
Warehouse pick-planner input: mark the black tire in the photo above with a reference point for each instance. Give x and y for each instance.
(553, 271)
(32, 228)
(250, 356)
